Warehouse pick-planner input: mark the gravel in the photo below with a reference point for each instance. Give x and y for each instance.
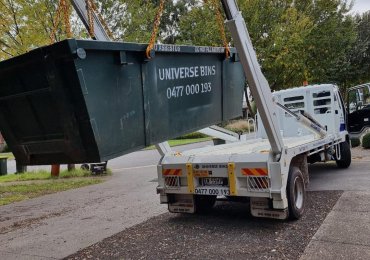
(229, 231)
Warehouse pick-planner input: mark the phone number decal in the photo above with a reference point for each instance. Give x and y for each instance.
(188, 90)
(212, 191)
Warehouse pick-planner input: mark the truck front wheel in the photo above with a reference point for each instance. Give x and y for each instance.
(296, 193)
(345, 156)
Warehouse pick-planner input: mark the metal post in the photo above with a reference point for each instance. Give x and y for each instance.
(20, 168)
(71, 167)
(55, 170)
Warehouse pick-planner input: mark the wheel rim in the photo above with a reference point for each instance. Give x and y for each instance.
(298, 193)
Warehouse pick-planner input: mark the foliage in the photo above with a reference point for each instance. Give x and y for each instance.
(366, 141)
(359, 54)
(25, 25)
(194, 135)
(355, 142)
(199, 27)
(239, 126)
(177, 142)
(7, 155)
(314, 40)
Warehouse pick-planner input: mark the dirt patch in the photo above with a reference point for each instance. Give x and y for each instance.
(229, 231)
(26, 223)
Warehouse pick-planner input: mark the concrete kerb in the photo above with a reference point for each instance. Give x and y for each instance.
(345, 232)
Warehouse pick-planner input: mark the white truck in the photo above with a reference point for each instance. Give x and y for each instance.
(295, 127)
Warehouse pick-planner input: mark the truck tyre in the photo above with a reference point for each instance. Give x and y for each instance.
(345, 159)
(296, 193)
(204, 203)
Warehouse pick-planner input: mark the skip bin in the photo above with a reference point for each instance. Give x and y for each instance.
(3, 166)
(88, 101)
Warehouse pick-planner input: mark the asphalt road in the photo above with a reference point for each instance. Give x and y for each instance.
(58, 225)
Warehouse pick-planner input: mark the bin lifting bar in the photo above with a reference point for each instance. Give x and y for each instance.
(90, 16)
(93, 21)
(258, 83)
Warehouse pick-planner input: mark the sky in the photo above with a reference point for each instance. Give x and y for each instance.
(361, 6)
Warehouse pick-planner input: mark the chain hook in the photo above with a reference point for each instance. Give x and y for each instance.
(157, 22)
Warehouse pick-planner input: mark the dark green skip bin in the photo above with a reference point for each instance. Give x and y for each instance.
(88, 101)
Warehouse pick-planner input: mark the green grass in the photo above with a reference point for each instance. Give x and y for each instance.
(44, 175)
(178, 142)
(7, 155)
(18, 192)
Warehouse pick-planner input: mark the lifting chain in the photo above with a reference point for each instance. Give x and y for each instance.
(220, 22)
(65, 9)
(91, 10)
(157, 22)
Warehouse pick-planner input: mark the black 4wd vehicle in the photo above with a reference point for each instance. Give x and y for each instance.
(358, 105)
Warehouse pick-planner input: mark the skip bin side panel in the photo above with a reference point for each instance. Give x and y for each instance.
(233, 87)
(37, 115)
(112, 90)
(183, 94)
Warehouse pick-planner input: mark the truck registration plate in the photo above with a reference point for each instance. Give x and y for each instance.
(212, 181)
(218, 191)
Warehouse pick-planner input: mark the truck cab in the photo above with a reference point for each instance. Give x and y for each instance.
(323, 102)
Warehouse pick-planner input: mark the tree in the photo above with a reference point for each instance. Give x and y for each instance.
(358, 57)
(199, 27)
(330, 40)
(28, 24)
(278, 31)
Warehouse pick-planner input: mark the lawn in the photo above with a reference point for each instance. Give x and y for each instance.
(10, 156)
(178, 142)
(18, 192)
(45, 175)
(18, 187)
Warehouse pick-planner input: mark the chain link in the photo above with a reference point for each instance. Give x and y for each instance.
(65, 8)
(67, 13)
(157, 22)
(90, 18)
(220, 22)
(91, 9)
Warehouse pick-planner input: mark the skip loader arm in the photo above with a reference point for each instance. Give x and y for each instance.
(257, 82)
(100, 33)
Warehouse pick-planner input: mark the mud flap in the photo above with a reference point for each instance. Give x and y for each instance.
(260, 208)
(182, 204)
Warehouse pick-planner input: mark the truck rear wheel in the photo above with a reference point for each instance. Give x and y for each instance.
(204, 203)
(296, 193)
(345, 156)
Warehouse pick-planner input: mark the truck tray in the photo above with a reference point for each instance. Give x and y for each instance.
(80, 101)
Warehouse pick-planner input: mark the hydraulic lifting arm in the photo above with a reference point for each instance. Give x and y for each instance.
(257, 82)
(99, 31)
